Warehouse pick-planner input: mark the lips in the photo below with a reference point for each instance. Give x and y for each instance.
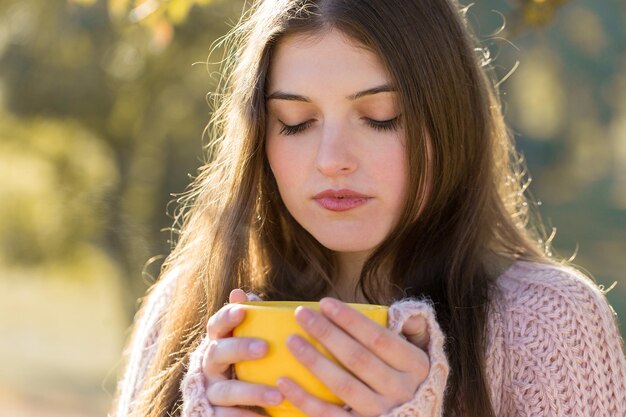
(340, 200)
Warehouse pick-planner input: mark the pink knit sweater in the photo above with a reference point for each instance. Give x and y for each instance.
(553, 349)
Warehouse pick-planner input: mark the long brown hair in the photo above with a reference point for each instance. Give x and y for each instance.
(235, 232)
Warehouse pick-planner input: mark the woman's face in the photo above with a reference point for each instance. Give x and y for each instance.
(333, 126)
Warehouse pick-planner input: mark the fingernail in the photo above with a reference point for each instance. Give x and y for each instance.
(329, 306)
(305, 316)
(273, 397)
(257, 348)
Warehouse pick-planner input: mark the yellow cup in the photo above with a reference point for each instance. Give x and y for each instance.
(274, 321)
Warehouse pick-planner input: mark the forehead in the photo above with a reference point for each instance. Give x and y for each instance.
(329, 60)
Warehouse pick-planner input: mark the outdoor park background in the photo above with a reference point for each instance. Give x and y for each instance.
(101, 117)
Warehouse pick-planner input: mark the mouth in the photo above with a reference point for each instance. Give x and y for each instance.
(339, 194)
(340, 200)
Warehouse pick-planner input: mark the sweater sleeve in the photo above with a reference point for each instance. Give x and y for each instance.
(142, 346)
(194, 385)
(562, 350)
(428, 399)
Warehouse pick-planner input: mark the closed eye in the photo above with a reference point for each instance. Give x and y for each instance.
(386, 125)
(295, 129)
(381, 125)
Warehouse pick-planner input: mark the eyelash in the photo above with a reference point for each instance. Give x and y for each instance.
(292, 130)
(381, 125)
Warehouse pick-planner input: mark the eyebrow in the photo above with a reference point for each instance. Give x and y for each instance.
(281, 95)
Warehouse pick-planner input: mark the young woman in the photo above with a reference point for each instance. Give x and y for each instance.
(360, 155)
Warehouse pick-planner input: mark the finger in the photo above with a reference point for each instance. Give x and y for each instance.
(388, 346)
(307, 403)
(358, 359)
(348, 388)
(415, 330)
(222, 323)
(234, 412)
(237, 296)
(224, 352)
(231, 392)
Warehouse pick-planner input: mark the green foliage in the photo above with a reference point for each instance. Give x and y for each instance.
(55, 176)
(106, 94)
(532, 13)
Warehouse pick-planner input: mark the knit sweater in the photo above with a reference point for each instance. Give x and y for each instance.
(553, 349)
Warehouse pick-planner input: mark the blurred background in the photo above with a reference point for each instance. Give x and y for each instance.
(102, 108)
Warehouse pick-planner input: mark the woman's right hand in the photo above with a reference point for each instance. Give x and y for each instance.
(226, 395)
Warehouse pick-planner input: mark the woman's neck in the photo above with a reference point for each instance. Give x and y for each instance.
(350, 265)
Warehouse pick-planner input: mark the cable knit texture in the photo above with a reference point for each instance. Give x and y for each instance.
(553, 349)
(428, 399)
(194, 385)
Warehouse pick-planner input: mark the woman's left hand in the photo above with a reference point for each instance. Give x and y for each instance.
(384, 370)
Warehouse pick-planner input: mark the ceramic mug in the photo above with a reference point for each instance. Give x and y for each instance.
(274, 321)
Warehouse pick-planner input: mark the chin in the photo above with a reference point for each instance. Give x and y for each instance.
(352, 244)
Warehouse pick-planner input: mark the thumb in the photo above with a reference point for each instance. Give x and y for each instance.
(237, 296)
(415, 330)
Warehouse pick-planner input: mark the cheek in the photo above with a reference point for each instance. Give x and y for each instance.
(392, 170)
(284, 165)
(398, 187)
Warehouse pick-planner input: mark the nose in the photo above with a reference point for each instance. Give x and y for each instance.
(335, 155)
